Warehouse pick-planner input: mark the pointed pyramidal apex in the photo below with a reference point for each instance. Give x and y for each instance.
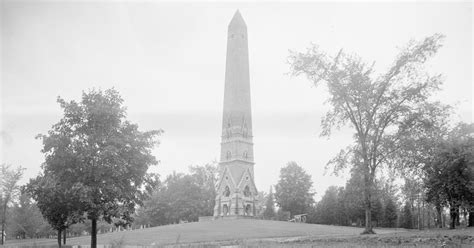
(237, 21)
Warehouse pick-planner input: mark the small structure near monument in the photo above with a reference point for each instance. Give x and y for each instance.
(299, 218)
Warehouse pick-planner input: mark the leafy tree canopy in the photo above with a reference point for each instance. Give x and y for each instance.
(380, 108)
(181, 197)
(93, 149)
(293, 190)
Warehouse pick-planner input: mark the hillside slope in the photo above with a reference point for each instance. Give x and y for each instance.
(242, 229)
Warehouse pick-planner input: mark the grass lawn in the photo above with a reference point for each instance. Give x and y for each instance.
(264, 233)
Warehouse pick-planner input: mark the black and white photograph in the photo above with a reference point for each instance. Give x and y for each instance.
(149, 124)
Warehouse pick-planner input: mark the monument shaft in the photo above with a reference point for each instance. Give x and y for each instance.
(236, 191)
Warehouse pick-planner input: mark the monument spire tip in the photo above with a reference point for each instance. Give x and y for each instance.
(237, 20)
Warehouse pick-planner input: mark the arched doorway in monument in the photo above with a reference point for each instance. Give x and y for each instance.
(248, 210)
(225, 210)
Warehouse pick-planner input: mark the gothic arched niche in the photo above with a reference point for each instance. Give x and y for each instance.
(226, 191)
(247, 191)
(228, 155)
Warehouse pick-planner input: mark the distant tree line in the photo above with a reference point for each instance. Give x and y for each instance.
(344, 205)
(180, 198)
(439, 194)
(25, 221)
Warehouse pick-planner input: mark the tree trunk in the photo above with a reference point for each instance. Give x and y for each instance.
(453, 213)
(428, 218)
(419, 214)
(443, 219)
(470, 221)
(368, 221)
(458, 217)
(422, 214)
(94, 234)
(59, 237)
(464, 215)
(368, 205)
(3, 231)
(64, 236)
(439, 220)
(4, 216)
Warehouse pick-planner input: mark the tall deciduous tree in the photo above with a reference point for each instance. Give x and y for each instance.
(94, 149)
(293, 191)
(380, 108)
(9, 190)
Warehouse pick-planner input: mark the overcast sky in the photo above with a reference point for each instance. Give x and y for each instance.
(168, 61)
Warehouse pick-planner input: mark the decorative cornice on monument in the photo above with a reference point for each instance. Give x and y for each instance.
(236, 139)
(236, 159)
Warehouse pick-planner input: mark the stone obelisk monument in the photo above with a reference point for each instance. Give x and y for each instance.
(236, 191)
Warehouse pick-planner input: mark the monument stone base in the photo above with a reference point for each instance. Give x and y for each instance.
(228, 217)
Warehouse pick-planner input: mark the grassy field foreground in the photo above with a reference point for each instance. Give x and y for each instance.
(263, 233)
